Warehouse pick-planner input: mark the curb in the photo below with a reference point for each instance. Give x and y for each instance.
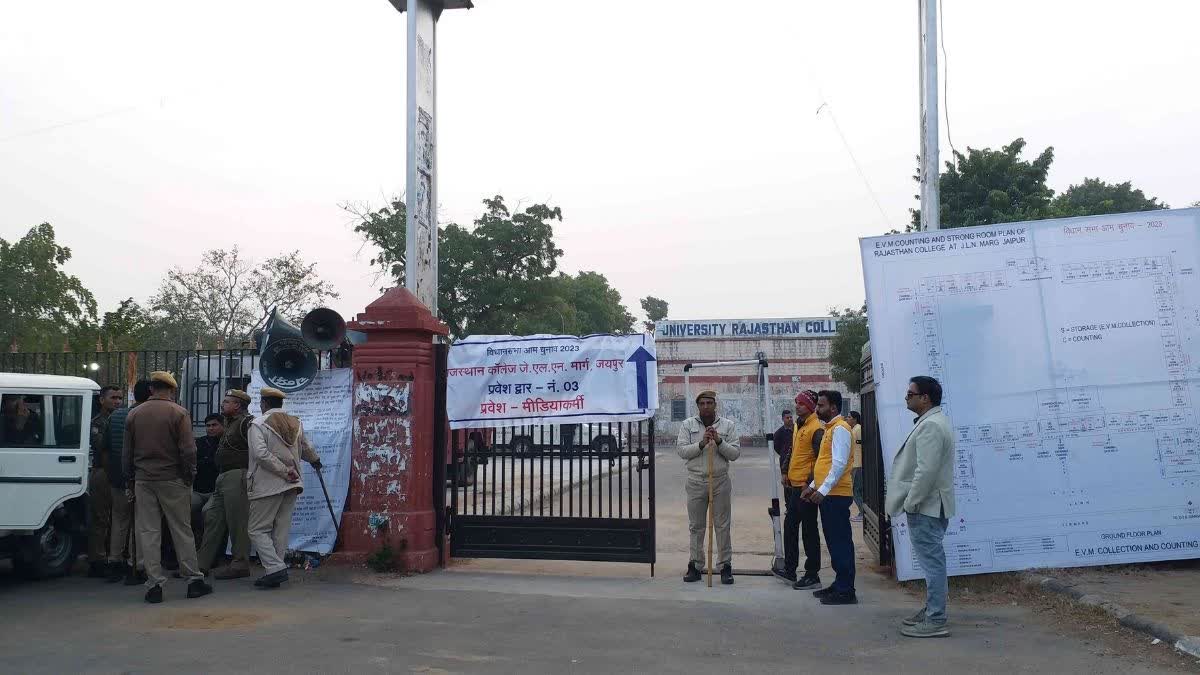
(1187, 644)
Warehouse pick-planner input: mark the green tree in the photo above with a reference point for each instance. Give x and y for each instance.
(655, 309)
(40, 304)
(226, 296)
(1094, 197)
(845, 350)
(498, 276)
(993, 186)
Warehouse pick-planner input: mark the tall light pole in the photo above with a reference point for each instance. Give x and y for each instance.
(930, 202)
(420, 187)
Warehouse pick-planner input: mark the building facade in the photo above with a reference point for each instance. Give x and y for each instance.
(797, 354)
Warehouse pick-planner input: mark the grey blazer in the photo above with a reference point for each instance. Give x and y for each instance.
(922, 479)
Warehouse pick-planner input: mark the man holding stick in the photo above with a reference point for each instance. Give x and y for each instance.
(708, 444)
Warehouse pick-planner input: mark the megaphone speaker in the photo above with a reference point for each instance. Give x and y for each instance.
(323, 329)
(286, 362)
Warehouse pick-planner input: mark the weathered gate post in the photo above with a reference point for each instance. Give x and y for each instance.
(391, 478)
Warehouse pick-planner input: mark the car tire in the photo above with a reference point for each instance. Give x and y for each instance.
(47, 553)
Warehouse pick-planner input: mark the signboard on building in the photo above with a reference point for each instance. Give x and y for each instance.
(724, 329)
(506, 380)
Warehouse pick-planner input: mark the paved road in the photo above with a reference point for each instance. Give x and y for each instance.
(510, 617)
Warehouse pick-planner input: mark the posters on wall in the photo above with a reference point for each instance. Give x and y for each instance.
(325, 409)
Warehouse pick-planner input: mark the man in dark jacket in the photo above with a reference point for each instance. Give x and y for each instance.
(122, 508)
(782, 440)
(206, 470)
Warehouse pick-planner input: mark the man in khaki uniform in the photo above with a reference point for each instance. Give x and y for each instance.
(277, 444)
(160, 462)
(227, 512)
(698, 436)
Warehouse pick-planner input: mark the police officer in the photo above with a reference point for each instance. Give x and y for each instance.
(227, 511)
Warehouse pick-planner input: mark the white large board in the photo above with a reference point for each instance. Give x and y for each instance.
(1069, 352)
(325, 409)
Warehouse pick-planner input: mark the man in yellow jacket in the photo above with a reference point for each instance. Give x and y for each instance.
(800, 521)
(277, 444)
(833, 491)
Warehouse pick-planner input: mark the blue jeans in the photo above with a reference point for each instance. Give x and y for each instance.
(926, 534)
(839, 539)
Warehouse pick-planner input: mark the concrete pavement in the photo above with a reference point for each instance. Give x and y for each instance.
(540, 617)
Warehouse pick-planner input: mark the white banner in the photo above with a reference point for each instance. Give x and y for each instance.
(1069, 355)
(505, 380)
(325, 409)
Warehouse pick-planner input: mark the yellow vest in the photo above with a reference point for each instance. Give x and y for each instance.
(800, 467)
(845, 485)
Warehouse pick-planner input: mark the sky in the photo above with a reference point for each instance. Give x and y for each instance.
(681, 140)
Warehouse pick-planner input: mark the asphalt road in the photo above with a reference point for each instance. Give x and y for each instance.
(533, 617)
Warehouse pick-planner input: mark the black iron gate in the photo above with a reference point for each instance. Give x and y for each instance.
(563, 492)
(877, 526)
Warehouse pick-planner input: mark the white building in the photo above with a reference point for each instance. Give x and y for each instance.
(797, 354)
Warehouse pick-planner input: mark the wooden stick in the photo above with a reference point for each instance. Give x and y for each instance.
(711, 523)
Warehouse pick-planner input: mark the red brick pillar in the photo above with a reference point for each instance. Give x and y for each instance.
(391, 477)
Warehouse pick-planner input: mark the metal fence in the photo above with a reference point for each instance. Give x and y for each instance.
(572, 491)
(203, 374)
(877, 526)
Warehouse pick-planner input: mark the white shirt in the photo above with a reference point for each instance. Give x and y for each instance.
(842, 442)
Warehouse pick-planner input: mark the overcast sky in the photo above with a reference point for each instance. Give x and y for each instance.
(680, 140)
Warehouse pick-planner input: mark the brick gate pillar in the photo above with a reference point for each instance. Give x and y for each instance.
(392, 455)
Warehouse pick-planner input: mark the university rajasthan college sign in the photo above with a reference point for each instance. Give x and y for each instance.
(720, 329)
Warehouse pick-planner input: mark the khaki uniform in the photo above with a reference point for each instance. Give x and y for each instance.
(227, 512)
(99, 495)
(691, 431)
(160, 456)
(277, 444)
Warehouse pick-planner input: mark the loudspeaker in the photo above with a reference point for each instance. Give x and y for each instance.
(323, 329)
(285, 359)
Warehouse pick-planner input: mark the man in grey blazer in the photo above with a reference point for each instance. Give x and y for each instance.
(922, 488)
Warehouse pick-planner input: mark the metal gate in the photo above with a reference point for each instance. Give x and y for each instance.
(562, 492)
(877, 526)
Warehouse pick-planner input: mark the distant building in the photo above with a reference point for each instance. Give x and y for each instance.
(797, 354)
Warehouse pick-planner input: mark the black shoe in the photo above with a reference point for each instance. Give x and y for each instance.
(135, 578)
(807, 582)
(822, 593)
(784, 575)
(727, 575)
(840, 598)
(154, 595)
(198, 589)
(272, 580)
(693, 574)
(97, 570)
(116, 572)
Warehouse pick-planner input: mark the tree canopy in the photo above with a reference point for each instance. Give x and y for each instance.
(987, 186)
(499, 276)
(40, 304)
(845, 350)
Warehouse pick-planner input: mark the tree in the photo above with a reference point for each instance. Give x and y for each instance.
(498, 276)
(845, 350)
(40, 304)
(655, 309)
(226, 296)
(989, 186)
(1094, 197)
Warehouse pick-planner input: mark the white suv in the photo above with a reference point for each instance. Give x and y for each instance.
(44, 437)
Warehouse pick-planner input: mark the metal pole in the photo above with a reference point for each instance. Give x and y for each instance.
(930, 170)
